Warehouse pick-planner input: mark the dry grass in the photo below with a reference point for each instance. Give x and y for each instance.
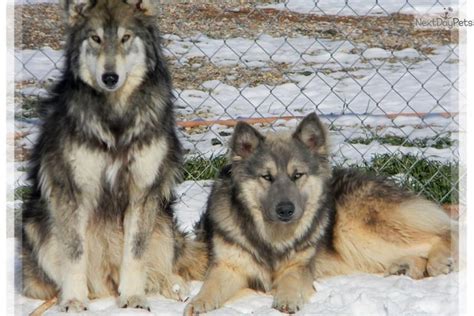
(42, 25)
(199, 69)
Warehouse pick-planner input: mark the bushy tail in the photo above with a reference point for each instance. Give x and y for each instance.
(426, 216)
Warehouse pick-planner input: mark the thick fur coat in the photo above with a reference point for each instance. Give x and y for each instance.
(278, 218)
(100, 220)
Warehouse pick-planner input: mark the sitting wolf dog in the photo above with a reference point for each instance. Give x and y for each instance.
(99, 221)
(278, 218)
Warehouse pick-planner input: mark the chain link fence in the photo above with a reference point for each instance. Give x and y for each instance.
(386, 87)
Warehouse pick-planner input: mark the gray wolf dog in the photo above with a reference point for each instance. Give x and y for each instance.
(278, 217)
(99, 221)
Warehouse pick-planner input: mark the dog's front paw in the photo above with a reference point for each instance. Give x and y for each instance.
(199, 306)
(287, 302)
(73, 306)
(174, 287)
(134, 301)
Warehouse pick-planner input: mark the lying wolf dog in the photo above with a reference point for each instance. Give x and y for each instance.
(278, 218)
(99, 221)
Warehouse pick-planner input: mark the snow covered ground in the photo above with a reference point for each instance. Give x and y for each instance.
(365, 7)
(363, 295)
(351, 86)
(358, 295)
(343, 7)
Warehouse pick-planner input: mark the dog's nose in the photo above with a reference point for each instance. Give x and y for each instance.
(285, 211)
(110, 79)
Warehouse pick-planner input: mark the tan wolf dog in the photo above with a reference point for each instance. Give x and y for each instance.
(278, 217)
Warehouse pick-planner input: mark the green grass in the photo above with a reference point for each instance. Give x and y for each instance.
(22, 192)
(435, 142)
(201, 168)
(435, 180)
(29, 108)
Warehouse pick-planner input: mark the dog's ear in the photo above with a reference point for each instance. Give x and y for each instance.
(75, 9)
(245, 141)
(312, 133)
(147, 7)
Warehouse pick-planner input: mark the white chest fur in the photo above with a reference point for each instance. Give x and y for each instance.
(90, 167)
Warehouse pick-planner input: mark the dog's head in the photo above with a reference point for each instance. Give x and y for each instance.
(112, 41)
(280, 175)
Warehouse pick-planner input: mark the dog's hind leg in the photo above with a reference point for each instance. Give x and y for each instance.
(392, 235)
(424, 217)
(159, 259)
(441, 259)
(35, 282)
(412, 266)
(191, 257)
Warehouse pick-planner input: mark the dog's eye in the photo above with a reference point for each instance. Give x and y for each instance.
(96, 39)
(125, 38)
(268, 177)
(297, 175)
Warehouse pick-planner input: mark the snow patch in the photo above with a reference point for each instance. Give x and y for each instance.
(363, 7)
